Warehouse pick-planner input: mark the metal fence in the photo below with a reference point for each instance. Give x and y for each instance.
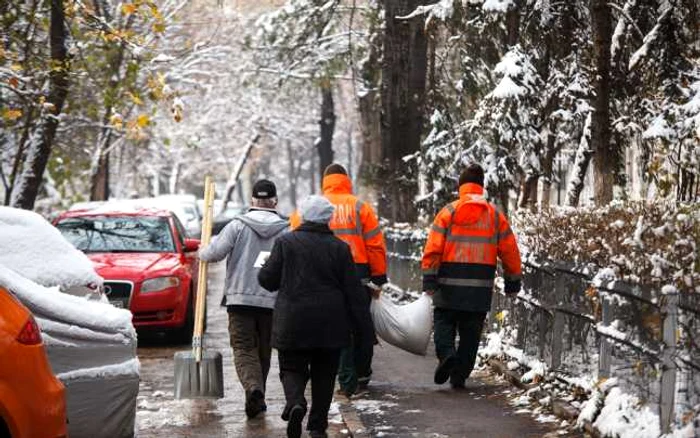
(644, 339)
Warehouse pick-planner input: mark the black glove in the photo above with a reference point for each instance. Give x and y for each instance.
(512, 286)
(379, 280)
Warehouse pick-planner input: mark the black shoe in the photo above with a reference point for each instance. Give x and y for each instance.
(443, 371)
(456, 380)
(296, 416)
(318, 434)
(254, 403)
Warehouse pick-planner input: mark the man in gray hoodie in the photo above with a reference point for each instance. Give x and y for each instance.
(247, 241)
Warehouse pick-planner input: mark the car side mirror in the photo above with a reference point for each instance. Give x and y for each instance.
(191, 245)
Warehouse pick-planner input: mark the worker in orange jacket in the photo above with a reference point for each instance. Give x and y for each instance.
(466, 239)
(356, 223)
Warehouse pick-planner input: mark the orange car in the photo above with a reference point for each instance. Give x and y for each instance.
(32, 403)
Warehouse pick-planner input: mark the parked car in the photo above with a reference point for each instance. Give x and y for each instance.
(183, 206)
(32, 399)
(148, 263)
(222, 218)
(91, 345)
(186, 209)
(30, 246)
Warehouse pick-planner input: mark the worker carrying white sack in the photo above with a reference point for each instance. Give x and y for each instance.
(405, 326)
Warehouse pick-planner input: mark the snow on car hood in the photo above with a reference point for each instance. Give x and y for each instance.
(132, 265)
(35, 249)
(49, 303)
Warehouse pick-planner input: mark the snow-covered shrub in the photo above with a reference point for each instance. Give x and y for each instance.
(653, 244)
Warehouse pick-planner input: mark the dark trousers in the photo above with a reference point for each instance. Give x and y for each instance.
(356, 360)
(356, 364)
(251, 332)
(296, 368)
(449, 323)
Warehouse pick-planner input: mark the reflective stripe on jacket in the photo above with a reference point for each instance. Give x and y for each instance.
(356, 223)
(467, 238)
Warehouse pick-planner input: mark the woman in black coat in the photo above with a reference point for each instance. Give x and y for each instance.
(318, 304)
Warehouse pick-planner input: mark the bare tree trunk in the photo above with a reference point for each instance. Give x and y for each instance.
(404, 69)
(583, 159)
(548, 172)
(528, 198)
(293, 176)
(41, 141)
(99, 180)
(369, 108)
(605, 159)
(327, 124)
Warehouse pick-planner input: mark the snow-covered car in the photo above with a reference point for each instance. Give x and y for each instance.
(30, 246)
(91, 345)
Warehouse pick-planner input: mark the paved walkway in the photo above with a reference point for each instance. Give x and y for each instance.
(160, 416)
(401, 402)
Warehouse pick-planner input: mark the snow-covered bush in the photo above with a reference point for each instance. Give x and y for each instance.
(644, 243)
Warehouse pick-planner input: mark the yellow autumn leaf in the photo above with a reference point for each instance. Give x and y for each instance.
(143, 120)
(500, 316)
(16, 67)
(128, 8)
(158, 27)
(11, 114)
(135, 98)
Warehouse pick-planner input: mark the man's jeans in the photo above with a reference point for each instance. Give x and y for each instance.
(449, 323)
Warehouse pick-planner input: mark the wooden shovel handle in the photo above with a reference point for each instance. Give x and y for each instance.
(201, 297)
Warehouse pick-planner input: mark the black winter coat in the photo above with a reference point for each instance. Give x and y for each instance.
(320, 299)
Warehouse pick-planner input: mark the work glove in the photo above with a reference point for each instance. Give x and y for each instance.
(512, 287)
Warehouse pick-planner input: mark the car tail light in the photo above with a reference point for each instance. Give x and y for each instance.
(30, 334)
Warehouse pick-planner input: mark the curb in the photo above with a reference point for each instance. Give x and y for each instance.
(560, 408)
(351, 418)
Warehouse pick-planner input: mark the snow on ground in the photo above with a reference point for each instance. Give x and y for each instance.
(372, 407)
(34, 248)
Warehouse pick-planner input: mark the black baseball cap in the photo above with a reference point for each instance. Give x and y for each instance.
(264, 189)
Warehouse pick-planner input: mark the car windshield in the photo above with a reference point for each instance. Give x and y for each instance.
(118, 234)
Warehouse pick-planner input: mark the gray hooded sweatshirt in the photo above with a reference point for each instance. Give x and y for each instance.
(246, 240)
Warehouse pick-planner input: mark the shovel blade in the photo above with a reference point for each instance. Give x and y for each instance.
(199, 380)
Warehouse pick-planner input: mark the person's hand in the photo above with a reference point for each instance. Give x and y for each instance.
(430, 292)
(375, 292)
(511, 288)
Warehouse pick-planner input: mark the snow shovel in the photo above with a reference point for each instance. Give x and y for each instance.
(198, 373)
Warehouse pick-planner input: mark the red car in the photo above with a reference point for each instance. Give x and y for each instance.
(148, 264)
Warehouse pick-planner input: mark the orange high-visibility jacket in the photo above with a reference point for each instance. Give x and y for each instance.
(356, 223)
(465, 242)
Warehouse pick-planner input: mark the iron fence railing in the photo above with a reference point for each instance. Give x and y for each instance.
(577, 325)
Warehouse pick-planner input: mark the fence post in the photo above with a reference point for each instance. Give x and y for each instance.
(557, 339)
(668, 376)
(605, 354)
